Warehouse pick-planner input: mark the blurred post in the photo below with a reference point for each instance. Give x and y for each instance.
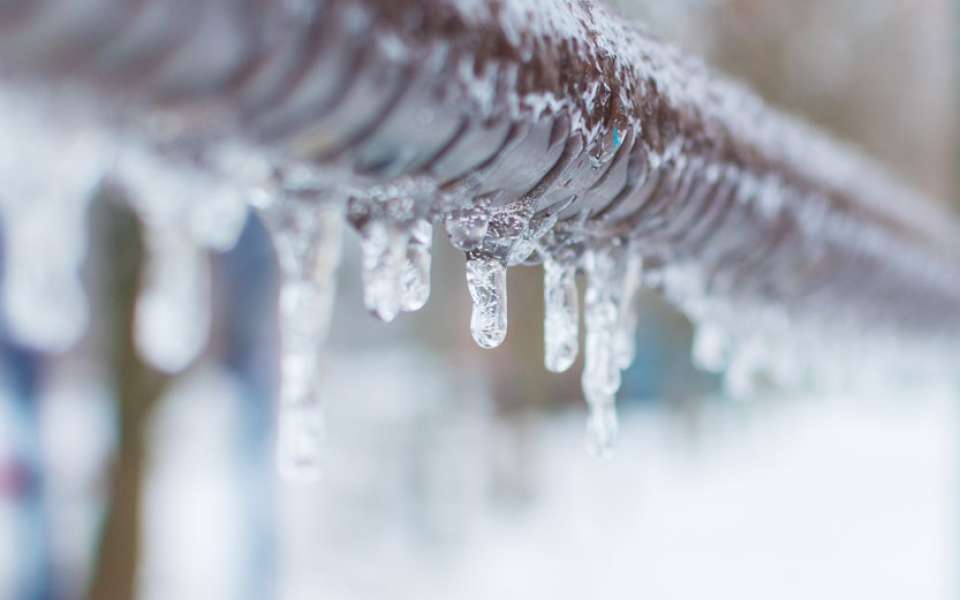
(136, 388)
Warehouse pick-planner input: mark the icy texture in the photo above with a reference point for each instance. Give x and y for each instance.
(561, 322)
(487, 282)
(467, 227)
(306, 235)
(601, 372)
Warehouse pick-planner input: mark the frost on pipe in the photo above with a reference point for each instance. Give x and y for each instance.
(530, 131)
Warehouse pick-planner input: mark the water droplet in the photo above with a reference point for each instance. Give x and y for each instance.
(487, 282)
(561, 321)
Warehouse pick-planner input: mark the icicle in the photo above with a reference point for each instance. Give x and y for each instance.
(173, 310)
(416, 276)
(711, 347)
(306, 236)
(218, 217)
(746, 370)
(487, 281)
(384, 249)
(601, 374)
(602, 430)
(51, 160)
(625, 341)
(561, 315)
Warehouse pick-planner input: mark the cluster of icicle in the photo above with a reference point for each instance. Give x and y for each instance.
(187, 210)
(191, 206)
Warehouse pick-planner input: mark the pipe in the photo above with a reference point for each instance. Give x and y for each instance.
(550, 108)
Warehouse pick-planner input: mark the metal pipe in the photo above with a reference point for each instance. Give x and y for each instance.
(549, 105)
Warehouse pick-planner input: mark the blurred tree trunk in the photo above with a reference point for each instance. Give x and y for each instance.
(119, 258)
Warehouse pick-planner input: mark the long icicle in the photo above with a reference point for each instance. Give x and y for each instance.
(306, 234)
(601, 373)
(561, 322)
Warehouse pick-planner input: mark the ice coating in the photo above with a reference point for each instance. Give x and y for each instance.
(306, 234)
(487, 283)
(561, 320)
(466, 227)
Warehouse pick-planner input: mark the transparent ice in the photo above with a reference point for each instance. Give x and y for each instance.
(561, 321)
(487, 283)
(306, 234)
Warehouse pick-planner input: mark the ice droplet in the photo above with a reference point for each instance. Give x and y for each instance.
(601, 374)
(561, 320)
(306, 234)
(384, 250)
(173, 310)
(487, 282)
(625, 340)
(416, 275)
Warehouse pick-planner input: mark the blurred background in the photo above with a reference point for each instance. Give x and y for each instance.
(454, 472)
